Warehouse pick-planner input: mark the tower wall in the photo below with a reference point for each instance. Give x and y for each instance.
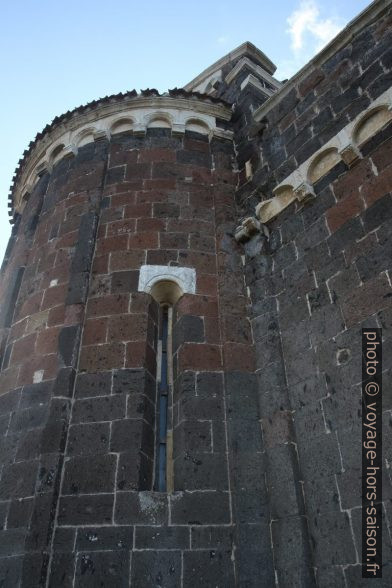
(79, 373)
(281, 204)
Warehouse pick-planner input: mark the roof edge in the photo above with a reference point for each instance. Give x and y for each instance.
(245, 48)
(343, 38)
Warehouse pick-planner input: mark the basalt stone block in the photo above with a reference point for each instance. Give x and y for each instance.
(105, 568)
(104, 538)
(86, 510)
(18, 480)
(90, 385)
(200, 471)
(135, 471)
(68, 344)
(90, 474)
(151, 568)
(105, 408)
(200, 508)
(188, 329)
(162, 538)
(141, 508)
(88, 439)
(208, 567)
(62, 570)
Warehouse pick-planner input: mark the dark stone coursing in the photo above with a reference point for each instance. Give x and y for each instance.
(266, 354)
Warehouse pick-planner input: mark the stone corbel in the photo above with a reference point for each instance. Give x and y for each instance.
(69, 150)
(304, 193)
(269, 209)
(139, 128)
(249, 227)
(178, 128)
(100, 134)
(350, 155)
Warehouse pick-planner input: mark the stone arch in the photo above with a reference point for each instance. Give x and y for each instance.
(161, 120)
(370, 123)
(197, 126)
(166, 291)
(322, 164)
(269, 209)
(167, 281)
(84, 137)
(57, 153)
(122, 125)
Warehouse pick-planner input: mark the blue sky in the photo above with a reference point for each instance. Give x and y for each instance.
(57, 55)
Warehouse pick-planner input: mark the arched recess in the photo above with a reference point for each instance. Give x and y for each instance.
(57, 153)
(166, 292)
(197, 126)
(84, 137)
(370, 123)
(322, 164)
(122, 125)
(159, 120)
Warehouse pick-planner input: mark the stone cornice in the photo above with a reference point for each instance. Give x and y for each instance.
(246, 48)
(343, 38)
(98, 120)
(344, 146)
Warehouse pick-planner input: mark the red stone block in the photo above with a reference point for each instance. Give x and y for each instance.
(199, 356)
(110, 244)
(162, 184)
(138, 210)
(121, 227)
(138, 171)
(123, 187)
(54, 296)
(56, 315)
(152, 196)
(355, 177)
(128, 327)
(150, 224)
(201, 261)
(144, 240)
(119, 156)
(344, 211)
(123, 260)
(48, 364)
(108, 305)
(381, 157)
(47, 341)
(147, 155)
(377, 187)
(96, 358)
(23, 348)
(197, 305)
(94, 331)
(124, 199)
(17, 330)
(238, 357)
(139, 354)
(206, 284)
(101, 264)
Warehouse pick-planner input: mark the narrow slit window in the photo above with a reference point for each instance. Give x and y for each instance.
(164, 466)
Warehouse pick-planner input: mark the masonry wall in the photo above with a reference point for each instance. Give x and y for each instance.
(78, 376)
(319, 277)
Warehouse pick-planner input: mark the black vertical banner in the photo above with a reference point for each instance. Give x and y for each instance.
(371, 453)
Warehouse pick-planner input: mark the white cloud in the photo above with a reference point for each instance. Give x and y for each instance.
(222, 40)
(306, 25)
(309, 33)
